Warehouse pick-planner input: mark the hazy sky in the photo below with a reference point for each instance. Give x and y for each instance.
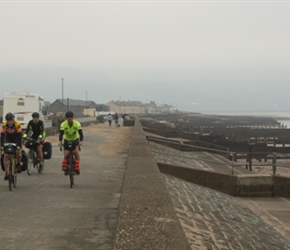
(196, 55)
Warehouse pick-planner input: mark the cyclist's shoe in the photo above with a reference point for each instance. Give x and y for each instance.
(66, 172)
(40, 168)
(18, 167)
(6, 177)
(77, 172)
(65, 169)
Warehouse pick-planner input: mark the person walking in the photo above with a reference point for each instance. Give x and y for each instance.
(110, 118)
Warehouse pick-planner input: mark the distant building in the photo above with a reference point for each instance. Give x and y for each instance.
(102, 107)
(127, 107)
(151, 107)
(165, 108)
(76, 106)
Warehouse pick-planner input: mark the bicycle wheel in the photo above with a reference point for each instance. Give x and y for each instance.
(15, 179)
(71, 171)
(30, 162)
(14, 173)
(10, 175)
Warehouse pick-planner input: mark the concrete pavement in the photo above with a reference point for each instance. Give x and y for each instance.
(44, 213)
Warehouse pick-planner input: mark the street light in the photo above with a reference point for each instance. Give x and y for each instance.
(62, 91)
(86, 102)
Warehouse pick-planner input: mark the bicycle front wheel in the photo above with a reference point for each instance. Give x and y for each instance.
(10, 174)
(71, 179)
(30, 162)
(71, 172)
(14, 178)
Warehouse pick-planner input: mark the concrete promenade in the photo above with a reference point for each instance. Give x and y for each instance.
(158, 211)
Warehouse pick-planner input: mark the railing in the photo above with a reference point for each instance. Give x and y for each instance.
(230, 155)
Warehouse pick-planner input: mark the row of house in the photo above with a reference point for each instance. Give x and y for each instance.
(79, 107)
(89, 108)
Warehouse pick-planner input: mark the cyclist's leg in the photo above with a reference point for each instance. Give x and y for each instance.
(40, 155)
(77, 160)
(65, 162)
(18, 160)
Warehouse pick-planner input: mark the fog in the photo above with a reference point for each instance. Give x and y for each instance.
(210, 56)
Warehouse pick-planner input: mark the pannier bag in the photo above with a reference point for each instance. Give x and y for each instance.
(47, 150)
(70, 145)
(24, 160)
(10, 149)
(30, 144)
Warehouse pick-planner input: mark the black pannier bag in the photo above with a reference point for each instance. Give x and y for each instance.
(24, 160)
(10, 149)
(47, 150)
(70, 145)
(30, 144)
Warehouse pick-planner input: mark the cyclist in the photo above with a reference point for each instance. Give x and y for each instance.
(71, 130)
(35, 128)
(11, 132)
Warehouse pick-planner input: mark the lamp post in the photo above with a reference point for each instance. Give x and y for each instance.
(62, 91)
(86, 101)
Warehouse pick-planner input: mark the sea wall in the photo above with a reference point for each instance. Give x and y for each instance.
(147, 218)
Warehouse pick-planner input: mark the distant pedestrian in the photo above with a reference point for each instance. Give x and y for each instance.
(110, 118)
(116, 118)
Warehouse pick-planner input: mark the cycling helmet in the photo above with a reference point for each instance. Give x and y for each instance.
(35, 114)
(69, 114)
(9, 116)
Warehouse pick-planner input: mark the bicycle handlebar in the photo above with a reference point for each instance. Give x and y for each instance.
(30, 139)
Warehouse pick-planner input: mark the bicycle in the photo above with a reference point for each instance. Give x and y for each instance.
(71, 168)
(10, 149)
(33, 159)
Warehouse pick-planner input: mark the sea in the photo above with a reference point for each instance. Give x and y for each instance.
(281, 116)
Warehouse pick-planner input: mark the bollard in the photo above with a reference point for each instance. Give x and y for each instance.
(274, 164)
(233, 163)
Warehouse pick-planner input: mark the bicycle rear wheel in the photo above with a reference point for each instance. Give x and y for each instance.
(30, 163)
